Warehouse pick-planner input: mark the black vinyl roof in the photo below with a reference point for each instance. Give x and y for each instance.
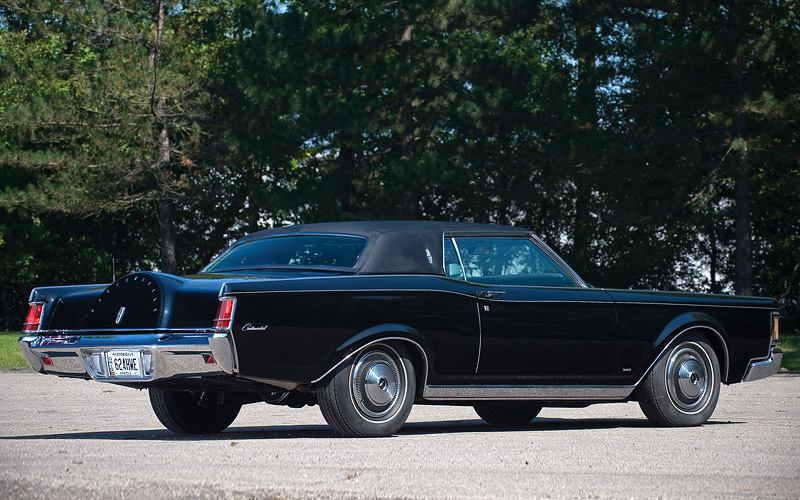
(395, 247)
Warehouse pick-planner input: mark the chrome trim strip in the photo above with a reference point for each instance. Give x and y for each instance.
(669, 344)
(383, 339)
(355, 290)
(683, 304)
(480, 338)
(128, 331)
(605, 302)
(433, 290)
(763, 368)
(528, 392)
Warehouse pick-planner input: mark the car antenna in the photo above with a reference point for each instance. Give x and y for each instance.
(113, 271)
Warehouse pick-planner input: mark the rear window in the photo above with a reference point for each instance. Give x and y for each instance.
(288, 251)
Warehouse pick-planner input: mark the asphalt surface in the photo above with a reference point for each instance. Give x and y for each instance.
(64, 438)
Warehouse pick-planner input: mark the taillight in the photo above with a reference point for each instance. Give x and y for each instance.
(33, 321)
(224, 313)
(775, 326)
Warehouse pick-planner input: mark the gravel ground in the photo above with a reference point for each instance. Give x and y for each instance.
(75, 439)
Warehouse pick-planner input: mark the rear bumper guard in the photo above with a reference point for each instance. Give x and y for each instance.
(163, 355)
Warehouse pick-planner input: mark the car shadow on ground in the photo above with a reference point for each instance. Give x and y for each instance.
(325, 432)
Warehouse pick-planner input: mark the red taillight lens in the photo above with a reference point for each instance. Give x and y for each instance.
(33, 321)
(224, 314)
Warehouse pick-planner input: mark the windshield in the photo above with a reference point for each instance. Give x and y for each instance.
(293, 250)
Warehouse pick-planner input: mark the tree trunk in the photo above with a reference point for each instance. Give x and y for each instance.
(586, 149)
(166, 206)
(407, 139)
(347, 170)
(743, 277)
(166, 219)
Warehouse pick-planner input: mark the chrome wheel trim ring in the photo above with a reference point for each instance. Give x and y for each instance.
(689, 378)
(377, 384)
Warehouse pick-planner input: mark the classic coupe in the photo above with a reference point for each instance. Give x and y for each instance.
(367, 318)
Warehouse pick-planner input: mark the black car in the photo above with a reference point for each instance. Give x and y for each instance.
(367, 318)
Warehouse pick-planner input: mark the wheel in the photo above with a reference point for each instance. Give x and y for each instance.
(507, 415)
(186, 412)
(371, 395)
(682, 389)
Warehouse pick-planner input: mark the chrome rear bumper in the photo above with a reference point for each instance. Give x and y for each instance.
(164, 355)
(763, 368)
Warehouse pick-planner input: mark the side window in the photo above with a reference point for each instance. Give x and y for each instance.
(451, 266)
(509, 261)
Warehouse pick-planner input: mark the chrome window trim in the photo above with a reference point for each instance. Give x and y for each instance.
(460, 262)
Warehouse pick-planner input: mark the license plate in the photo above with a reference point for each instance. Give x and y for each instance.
(124, 363)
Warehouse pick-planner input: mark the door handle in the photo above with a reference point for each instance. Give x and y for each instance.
(489, 294)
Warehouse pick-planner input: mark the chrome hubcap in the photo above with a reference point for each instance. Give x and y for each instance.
(377, 384)
(688, 377)
(380, 384)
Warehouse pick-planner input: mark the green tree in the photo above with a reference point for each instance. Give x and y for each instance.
(102, 110)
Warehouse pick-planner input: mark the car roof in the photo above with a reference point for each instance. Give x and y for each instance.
(396, 247)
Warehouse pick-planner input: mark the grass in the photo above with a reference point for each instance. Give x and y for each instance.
(790, 345)
(11, 357)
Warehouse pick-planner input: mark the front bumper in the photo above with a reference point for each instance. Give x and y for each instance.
(163, 355)
(763, 368)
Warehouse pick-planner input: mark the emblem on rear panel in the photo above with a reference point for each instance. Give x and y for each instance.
(120, 314)
(258, 327)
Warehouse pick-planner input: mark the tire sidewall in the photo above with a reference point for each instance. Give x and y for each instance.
(360, 423)
(659, 375)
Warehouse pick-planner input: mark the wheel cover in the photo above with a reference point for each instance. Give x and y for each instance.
(690, 378)
(377, 384)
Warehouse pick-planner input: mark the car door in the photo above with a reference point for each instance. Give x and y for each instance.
(538, 323)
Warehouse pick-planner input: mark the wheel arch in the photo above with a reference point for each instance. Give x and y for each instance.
(688, 324)
(418, 349)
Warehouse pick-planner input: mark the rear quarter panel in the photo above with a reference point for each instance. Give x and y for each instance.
(649, 321)
(296, 330)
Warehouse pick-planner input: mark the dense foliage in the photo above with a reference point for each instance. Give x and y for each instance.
(652, 146)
